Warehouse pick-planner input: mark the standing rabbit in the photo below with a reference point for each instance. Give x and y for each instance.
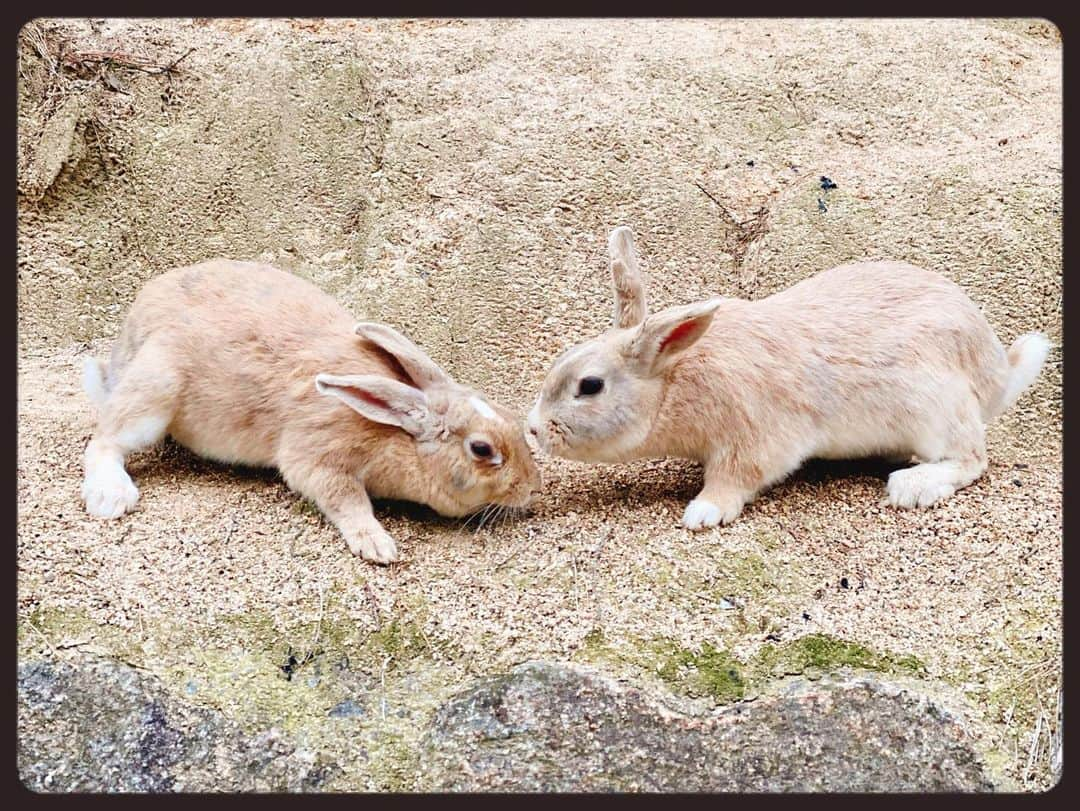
(865, 359)
(244, 363)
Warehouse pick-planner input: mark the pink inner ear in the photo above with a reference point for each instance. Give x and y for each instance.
(678, 333)
(392, 362)
(369, 398)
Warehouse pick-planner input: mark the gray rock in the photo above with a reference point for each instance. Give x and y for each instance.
(106, 727)
(349, 708)
(546, 727)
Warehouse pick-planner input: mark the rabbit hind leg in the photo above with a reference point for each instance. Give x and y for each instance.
(135, 415)
(952, 459)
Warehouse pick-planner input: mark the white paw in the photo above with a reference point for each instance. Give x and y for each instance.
(109, 493)
(918, 487)
(375, 545)
(702, 514)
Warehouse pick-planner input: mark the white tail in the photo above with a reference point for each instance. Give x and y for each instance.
(93, 380)
(1026, 357)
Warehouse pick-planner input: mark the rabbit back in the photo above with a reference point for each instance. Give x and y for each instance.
(246, 341)
(857, 360)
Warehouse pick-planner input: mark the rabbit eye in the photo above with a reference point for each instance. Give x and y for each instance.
(590, 385)
(481, 450)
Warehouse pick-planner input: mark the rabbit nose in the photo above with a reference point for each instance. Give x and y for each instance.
(534, 420)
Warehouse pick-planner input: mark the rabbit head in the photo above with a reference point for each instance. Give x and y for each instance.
(470, 452)
(601, 397)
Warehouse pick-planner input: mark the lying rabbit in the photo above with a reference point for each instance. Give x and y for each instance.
(866, 359)
(244, 363)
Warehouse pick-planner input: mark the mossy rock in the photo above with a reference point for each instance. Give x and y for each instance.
(712, 672)
(551, 727)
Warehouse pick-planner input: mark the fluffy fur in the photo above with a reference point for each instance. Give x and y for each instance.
(244, 363)
(866, 359)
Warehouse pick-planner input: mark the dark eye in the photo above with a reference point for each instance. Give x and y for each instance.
(481, 450)
(590, 385)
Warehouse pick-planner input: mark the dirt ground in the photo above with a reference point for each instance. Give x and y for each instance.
(457, 179)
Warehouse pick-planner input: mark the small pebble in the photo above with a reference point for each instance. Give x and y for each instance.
(347, 709)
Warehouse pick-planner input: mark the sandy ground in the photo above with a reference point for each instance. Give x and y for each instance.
(506, 150)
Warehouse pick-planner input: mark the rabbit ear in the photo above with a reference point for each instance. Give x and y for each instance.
(380, 399)
(417, 365)
(630, 307)
(667, 333)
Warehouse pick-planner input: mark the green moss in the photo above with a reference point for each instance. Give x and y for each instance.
(396, 639)
(595, 638)
(303, 506)
(823, 653)
(398, 642)
(250, 630)
(53, 627)
(746, 576)
(910, 663)
(393, 764)
(717, 674)
(708, 672)
(253, 689)
(596, 648)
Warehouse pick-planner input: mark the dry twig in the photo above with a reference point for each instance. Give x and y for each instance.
(39, 632)
(374, 605)
(76, 59)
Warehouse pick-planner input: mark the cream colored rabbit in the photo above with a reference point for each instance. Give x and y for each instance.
(865, 359)
(244, 363)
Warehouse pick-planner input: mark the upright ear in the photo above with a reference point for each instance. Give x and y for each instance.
(380, 399)
(630, 307)
(666, 334)
(417, 365)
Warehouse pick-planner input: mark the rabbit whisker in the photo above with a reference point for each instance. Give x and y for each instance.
(485, 518)
(474, 516)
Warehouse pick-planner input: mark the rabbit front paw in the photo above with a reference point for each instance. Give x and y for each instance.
(374, 544)
(108, 492)
(919, 486)
(702, 513)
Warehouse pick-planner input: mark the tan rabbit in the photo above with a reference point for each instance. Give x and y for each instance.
(244, 363)
(865, 359)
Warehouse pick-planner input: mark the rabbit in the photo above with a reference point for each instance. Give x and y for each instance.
(865, 359)
(247, 364)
